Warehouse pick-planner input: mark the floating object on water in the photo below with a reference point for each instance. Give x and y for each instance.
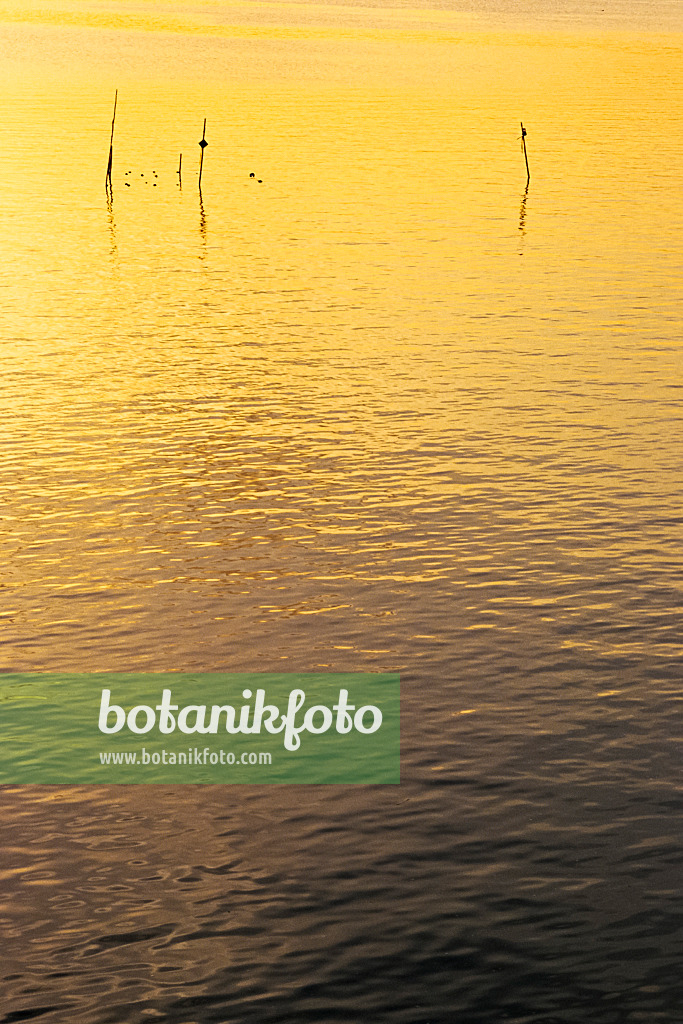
(252, 175)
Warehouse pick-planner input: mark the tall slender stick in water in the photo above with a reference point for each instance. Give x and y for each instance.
(180, 170)
(526, 158)
(203, 145)
(107, 180)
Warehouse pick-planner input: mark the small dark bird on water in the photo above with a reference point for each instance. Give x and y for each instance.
(252, 175)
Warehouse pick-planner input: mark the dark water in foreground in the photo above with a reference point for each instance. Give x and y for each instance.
(387, 410)
(489, 891)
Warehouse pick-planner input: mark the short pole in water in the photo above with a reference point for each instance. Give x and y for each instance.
(203, 145)
(526, 158)
(107, 180)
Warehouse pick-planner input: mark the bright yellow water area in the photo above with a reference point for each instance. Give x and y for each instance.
(231, 19)
(383, 324)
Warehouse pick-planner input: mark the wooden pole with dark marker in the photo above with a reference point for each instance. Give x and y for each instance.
(203, 145)
(107, 180)
(526, 158)
(180, 170)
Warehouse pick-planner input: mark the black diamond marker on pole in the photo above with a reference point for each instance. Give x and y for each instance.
(203, 145)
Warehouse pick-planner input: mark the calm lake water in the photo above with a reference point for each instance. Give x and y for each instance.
(386, 409)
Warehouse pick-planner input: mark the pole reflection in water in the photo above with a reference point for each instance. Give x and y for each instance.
(522, 215)
(202, 227)
(113, 248)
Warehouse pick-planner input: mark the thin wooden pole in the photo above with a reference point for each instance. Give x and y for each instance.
(203, 145)
(107, 180)
(526, 158)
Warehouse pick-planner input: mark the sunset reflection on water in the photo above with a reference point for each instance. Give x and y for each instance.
(388, 408)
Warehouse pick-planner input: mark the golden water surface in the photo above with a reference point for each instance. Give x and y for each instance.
(382, 406)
